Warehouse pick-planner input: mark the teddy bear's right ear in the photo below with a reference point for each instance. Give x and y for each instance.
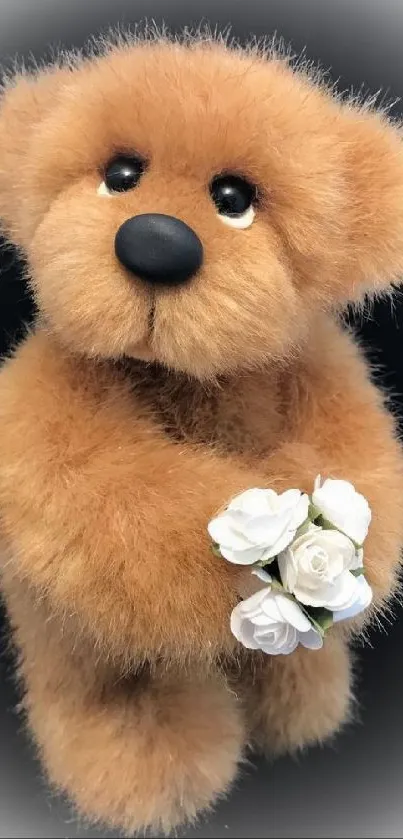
(24, 103)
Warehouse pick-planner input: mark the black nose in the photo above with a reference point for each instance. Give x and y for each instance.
(159, 249)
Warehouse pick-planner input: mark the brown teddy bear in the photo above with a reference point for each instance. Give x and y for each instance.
(194, 216)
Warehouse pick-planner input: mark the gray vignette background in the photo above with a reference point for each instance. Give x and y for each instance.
(354, 787)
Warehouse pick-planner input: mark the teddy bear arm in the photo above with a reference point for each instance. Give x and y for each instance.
(341, 428)
(107, 516)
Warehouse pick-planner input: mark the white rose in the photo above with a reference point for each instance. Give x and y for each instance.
(317, 567)
(258, 524)
(272, 622)
(363, 600)
(343, 507)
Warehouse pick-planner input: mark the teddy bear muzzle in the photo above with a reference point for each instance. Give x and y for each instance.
(160, 249)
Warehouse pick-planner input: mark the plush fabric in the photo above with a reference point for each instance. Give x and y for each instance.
(129, 416)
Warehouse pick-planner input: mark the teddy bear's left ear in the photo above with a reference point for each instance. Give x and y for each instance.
(374, 214)
(24, 103)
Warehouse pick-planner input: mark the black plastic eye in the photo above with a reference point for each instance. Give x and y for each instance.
(232, 194)
(123, 173)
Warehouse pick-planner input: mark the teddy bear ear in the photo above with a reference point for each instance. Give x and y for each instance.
(374, 186)
(24, 102)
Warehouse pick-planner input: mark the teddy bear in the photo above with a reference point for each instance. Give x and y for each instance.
(195, 215)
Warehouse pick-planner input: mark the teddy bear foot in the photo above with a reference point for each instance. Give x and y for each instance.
(154, 758)
(300, 700)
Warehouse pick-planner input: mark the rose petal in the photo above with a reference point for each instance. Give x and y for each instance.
(317, 482)
(301, 512)
(288, 569)
(243, 630)
(223, 532)
(344, 507)
(271, 609)
(255, 502)
(292, 614)
(282, 543)
(363, 601)
(312, 640)
(333, 596)
(254, 601)
(266, 530)
(248, 557)
(284, 645)
(262, 574)
(262, 621)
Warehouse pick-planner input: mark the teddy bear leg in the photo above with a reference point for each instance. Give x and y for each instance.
(299, 700)
(148, 755)
(152, 760)
(151, 750)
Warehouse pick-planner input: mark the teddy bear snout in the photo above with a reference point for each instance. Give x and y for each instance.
(160, 249)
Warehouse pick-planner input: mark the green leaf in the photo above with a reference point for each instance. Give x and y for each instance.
(303, 528)
(279, 587)
(313, 513)
(324, 619)
(358, 572)
(312, 620)
(216, 550)
(321, 619)
(262, 563)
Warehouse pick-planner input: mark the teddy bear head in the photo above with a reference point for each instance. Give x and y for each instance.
(195, 204)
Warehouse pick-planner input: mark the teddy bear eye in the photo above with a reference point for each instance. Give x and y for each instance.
(122, 174)
(234, 198)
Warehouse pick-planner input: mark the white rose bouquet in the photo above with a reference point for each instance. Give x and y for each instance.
(306, 553)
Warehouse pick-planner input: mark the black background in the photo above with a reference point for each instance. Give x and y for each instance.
(354, 787)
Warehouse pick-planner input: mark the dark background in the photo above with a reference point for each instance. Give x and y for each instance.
(355, 787)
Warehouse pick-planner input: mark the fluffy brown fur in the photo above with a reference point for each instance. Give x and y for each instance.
(111, 466)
